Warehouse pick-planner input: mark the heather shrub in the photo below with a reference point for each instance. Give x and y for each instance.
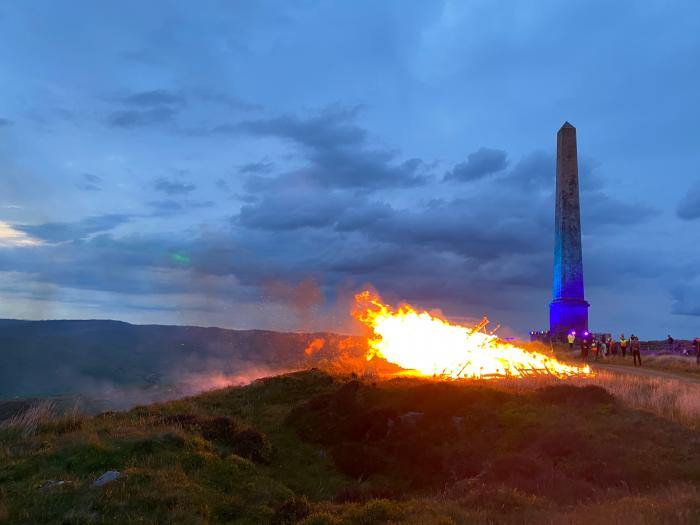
(291, 511)
(374, 512)
(320, 518)
(253, 445)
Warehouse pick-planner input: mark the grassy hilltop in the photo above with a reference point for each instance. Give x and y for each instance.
(318, 449)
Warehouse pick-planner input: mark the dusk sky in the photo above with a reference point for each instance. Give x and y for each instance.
(254, 164)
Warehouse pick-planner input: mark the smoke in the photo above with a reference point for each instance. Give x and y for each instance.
(114, 366)
(102, 396)
(304, 298)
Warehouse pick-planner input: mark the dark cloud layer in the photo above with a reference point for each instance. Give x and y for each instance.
(257, 168)
(479, 164)
(142, 118)
(174, 187)
(163, 107)
(70, 231)
(496, 234)
(171, 206)
(338, 152)
(689, 206)
(155, 98)
(90, 182)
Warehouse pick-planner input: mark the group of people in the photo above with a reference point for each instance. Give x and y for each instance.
(605, 346)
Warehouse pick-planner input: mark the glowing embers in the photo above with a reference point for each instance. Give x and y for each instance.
(429, 345)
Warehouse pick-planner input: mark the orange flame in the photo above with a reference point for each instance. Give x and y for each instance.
(314, 346)
(429, 345)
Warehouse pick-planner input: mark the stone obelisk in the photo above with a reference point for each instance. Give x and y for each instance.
(569, 310)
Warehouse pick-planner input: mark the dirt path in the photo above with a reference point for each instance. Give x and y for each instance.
(648, 372)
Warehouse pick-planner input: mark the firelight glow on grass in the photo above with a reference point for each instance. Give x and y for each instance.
(429, 345)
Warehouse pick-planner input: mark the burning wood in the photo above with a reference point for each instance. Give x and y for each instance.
(428, 345)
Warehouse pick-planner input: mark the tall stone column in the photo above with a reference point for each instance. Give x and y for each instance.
(569, 310)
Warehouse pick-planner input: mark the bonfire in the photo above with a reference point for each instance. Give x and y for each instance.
(426, 344)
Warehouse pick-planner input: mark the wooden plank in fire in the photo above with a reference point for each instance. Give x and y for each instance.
(480, 325)
(529, 372)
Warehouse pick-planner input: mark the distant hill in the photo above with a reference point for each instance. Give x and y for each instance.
(42, 358)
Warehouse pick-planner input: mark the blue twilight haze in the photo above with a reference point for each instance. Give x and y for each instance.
(253, 164)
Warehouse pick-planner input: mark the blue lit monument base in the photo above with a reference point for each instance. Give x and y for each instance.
(566, 315)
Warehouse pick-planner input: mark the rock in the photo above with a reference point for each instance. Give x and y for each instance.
(107, 477)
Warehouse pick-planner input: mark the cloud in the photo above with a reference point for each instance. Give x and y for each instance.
(303, 207)
(173, 187)
(141, 118)
(534, 176)
(509, 217)
(170, 206)
(480, 164)
(90, 182)
(222, 185)
(155, 98)
(337, 152)
(11, 237)
(686, 297)
(260, 167)
(603, 210)
(160, 107)
(147, 108)
(534, 171)
(68, 231)
(331, 128)
(689, 207)
(223, 99)
(471, 228)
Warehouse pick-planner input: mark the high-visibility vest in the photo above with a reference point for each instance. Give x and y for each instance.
(623, 342)
(571, 338)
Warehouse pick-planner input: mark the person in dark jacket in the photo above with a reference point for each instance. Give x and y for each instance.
(586, 340)
(636, 350)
